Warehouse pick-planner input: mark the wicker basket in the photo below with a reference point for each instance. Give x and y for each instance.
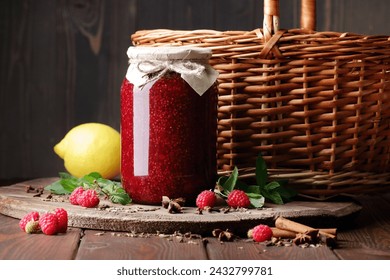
(315, 104)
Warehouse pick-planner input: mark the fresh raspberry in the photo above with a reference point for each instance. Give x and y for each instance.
(32, 216)
(238, 198)
(73, 198)
(62, 217)
(48, 223)
(89, 199)
(261, 233)
(206, 198)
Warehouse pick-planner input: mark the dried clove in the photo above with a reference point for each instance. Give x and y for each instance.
(173, 205)
(29, 188)
(165, 202)
(223, 235)
(39, 191)
(209, 209)
(181, 201)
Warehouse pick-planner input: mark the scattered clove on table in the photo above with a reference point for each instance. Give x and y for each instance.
(173, 205)
(223, 235)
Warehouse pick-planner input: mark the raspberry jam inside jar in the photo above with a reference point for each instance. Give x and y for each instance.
(168, 124)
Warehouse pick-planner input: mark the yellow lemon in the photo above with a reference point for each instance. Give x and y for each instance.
(91, 147)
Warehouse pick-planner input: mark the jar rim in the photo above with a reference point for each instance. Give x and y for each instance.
(168, 53)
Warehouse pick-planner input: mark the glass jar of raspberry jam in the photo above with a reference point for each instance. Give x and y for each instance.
(168, 123)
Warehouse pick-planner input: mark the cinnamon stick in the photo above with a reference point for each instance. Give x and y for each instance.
(332, 231)
(286, 224)
(282, 233)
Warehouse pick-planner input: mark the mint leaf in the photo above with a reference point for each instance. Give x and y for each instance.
(250, 189)
(69, 184)
(121, 198)
(95, 175)
(287, 193)
(282, 182)
(274, 190)
(222, 180)
(272, 195)
(56, 188)
(261, 171)
(108, 185)
(230, 183)
(272, 185)
(89, 178)
(276, 198)
(283, 193)
(257, 200)
(114, 191)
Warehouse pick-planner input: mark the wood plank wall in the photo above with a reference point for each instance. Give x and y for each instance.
(63, 61)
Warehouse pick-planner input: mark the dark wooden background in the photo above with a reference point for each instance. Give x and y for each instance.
(63, 61)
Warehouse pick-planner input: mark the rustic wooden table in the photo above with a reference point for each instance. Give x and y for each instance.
(366, 237)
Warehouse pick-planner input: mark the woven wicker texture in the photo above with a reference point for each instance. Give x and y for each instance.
(316, 105)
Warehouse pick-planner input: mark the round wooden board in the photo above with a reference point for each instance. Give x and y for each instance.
(15, 201)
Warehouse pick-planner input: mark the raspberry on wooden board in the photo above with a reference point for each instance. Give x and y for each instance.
(238, 198)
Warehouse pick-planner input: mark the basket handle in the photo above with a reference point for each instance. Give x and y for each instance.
(271, 16)
(308, 14)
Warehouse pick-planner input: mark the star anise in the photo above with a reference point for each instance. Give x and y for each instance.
(310, 236)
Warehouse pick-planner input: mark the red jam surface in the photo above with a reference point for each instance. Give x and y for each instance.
(182, 141)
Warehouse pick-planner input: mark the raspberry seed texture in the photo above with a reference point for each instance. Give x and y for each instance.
(89, 199)
(238, 198)
(206, 198)
(48, 223)
(62, 217)
(73, 198)
(261, 233)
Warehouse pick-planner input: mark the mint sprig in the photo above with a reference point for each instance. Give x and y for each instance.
(274, 191)
(111, 189)
(264, 189)
(226, 184)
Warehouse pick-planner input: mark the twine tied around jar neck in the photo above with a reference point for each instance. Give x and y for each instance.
(147, 65)
(154, 70)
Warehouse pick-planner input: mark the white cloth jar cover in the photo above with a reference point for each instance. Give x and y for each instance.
(148, 64)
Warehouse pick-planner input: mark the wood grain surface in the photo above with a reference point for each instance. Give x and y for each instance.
(252, 251)
(110, 245)
(372, 241)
